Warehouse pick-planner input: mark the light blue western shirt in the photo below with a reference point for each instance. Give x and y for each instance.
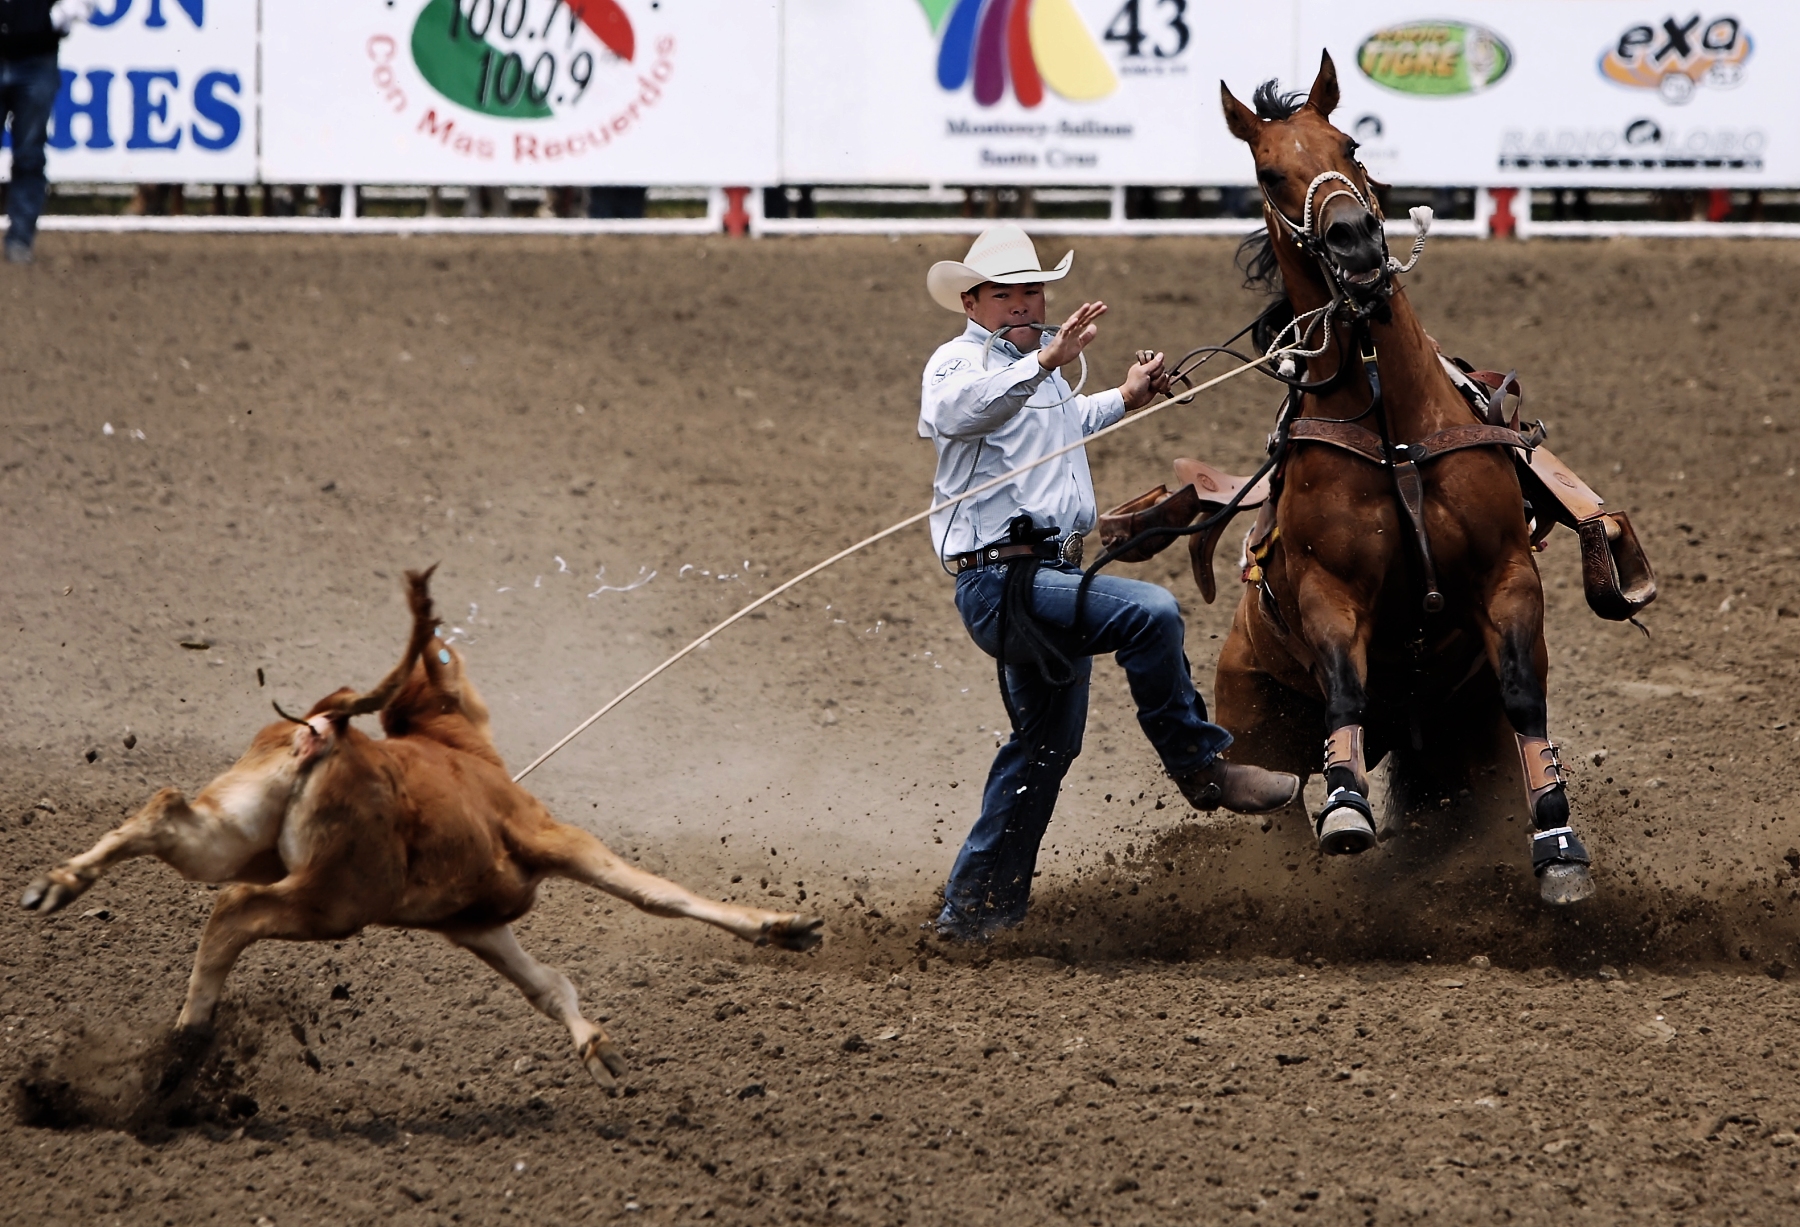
(988, 418)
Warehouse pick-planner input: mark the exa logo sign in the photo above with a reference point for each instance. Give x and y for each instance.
(1679, 55)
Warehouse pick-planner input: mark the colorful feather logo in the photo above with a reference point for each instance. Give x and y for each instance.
(1032, 43)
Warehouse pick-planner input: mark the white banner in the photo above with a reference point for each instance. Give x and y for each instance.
(1600, 93)
(650, 92)
(1021, 91)
(1567, 93)
(157, 91)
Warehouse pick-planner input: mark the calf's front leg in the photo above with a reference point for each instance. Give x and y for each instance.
(290, 910)
(550, 991)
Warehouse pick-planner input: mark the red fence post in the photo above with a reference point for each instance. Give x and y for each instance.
(737, 218)
(1502, 222)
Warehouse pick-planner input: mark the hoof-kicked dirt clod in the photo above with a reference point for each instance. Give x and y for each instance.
(611, 444)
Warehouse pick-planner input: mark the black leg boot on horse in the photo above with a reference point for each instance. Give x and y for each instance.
(1558, 857)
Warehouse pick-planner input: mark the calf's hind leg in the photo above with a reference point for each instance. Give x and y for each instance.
(202, 843)
(550, 991)
(573, 853)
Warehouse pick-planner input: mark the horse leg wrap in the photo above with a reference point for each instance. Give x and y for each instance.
(1346, 824)
(1558, 858)
(1557, 846)
(1543, 769)
(1344, 748)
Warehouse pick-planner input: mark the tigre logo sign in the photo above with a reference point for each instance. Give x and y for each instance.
(1439, 59)
(1679, 56)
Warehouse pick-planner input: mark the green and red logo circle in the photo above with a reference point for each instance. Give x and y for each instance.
(519, 59)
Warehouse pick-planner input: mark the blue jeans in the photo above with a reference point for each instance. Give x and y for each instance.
(27, 92)
(990, 883)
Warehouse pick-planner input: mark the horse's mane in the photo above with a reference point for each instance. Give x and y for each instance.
(1255, 256)
(1271, 103)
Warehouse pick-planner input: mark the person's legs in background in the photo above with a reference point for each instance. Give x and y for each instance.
(607, 202)
(27, 94)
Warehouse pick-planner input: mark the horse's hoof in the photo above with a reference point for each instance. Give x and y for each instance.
(603, 1062)
(1564, 884)
(1345, 831)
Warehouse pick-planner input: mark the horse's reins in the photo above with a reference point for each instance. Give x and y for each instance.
(908, 522)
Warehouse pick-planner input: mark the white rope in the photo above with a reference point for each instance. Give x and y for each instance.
(1421, 219)
(842, 554)
(1043, 328)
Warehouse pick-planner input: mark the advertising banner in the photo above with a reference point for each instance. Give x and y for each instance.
(157, 91)
(1021, 91)
(623, 92)
(1600, 93)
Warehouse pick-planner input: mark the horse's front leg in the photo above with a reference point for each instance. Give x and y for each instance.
(1335, 621)
(1515, 646)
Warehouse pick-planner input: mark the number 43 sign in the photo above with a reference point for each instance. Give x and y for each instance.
(1163, 37)
(521, 91)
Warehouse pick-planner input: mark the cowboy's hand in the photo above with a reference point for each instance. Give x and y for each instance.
(1146, 379)
(1077, 331)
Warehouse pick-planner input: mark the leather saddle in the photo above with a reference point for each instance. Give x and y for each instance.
(1201, 491)
(1616, 574)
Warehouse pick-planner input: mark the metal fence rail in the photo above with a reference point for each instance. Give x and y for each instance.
(1498, 213)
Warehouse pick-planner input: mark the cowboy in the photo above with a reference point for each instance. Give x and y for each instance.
(993, 400)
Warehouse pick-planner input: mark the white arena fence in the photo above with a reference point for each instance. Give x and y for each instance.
(750, 220)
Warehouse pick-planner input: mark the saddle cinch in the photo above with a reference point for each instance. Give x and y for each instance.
(1615, 573)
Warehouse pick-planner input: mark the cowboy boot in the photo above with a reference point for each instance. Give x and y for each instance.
(1238, 787)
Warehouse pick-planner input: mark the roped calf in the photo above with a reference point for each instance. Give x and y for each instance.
(323, 831)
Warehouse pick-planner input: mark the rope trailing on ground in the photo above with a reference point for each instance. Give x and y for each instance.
(885, 533)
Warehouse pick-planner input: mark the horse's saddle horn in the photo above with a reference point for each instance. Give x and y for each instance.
(1201, 490)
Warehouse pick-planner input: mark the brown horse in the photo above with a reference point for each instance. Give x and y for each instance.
(1388, 584)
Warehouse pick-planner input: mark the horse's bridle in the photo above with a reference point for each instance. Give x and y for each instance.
(1361, 299)
(1304, 235)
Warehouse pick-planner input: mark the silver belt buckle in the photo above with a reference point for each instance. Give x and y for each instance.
(1069, 550)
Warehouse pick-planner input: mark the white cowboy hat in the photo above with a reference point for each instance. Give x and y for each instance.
(1003, 254)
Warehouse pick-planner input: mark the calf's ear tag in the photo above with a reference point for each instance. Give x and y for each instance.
(444, 655)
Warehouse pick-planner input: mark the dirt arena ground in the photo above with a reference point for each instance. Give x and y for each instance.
(217, 455)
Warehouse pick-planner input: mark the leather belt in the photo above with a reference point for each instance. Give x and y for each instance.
(1065, 549)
